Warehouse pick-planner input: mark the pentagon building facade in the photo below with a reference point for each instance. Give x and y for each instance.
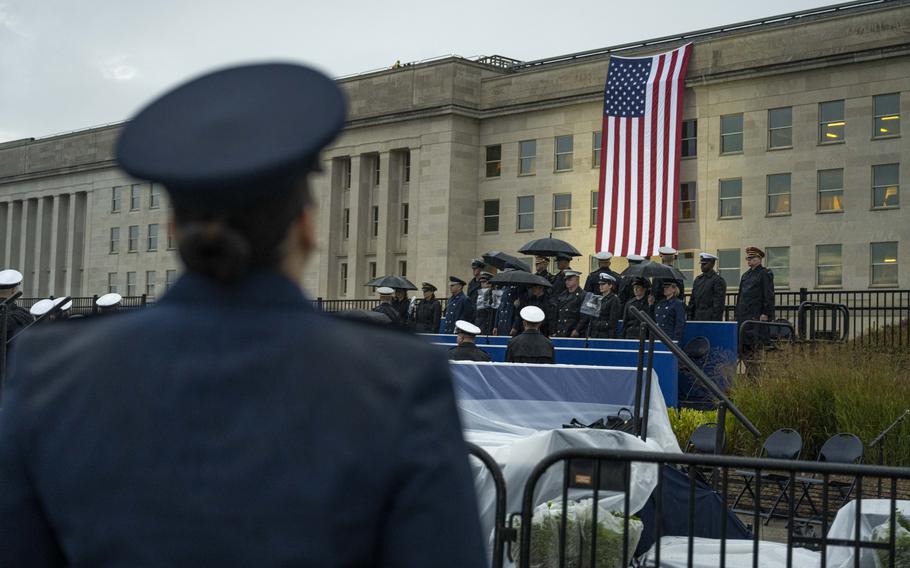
(794, 140)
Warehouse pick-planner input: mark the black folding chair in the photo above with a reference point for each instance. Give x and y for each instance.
(783, 444)
(703, 440)
(839, 448)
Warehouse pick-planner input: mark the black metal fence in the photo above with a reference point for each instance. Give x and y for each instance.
(85, 305)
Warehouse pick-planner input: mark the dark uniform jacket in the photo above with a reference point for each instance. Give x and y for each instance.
(567, 308)
(505, 313)
(468, 351)
(542, 302)
(473, 287)
(604, 325)
(401, 306)
(657, 290)
(592, 284)
(755, 298)
(427, 314)
(390, 311)
(559, 283)
(624, 289)
(670, 316)
(707, 299)
(630, 324)
(17, 319)
(458, 308)
(530, 346)
(172, 436)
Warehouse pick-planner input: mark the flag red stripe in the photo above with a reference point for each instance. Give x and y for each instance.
(640, 189)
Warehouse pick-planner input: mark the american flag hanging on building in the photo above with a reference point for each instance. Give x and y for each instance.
(639, 155)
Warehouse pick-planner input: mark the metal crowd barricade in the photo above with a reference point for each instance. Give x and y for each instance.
(745, 329)
(501, 532)
(603, 473)
(825, 321)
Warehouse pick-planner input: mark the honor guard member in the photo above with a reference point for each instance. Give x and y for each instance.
(670, 314)
(477, 266)
(385, 306)
(484, 312)
(568, 307)
(559, 279)
(709, 292)
(755, 300)
(427, 312)
(232, 424)
(109, 303)
(41, 308)
(466, 349)
(542, 267)
(531, 346)
(458, 307)
(667, 258)
(605, 324)
(17, 317)
(592, 284)
(640, 300)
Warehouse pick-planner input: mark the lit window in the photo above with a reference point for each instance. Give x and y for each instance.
(829, 267)
(494, 161)
(562, 210)
(689, 138)
(130, 283)
(778, 261)
(884, 264)
(731, 134)
(405, 212)
(491, 216)
(153, 237)
(116, 199)
(525, 213)
(728, 265)
(831, 122)
(115, 240)
(112, 282)
(885, 186)
(830, 191)
(132, 244)
(564, 151)
(886, 115)
(527, 157)
(780, 127)
(595, 204)
(731, 198)
(595, 155)
(687, 201)
(150, 281)
(779, 194)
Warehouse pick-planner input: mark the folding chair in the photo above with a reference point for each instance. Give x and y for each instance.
(783, 444)
(839, 448)
(703, 439)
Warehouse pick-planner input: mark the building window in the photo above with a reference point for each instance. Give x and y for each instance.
(689, 148)
(115, 240)
(371, 269)
(130, 283)
(343, 280)
(155, 196)
(170, 237)
(170, 276)
(527, 157)
(828, 265)
(731, 134)
(347, 172)
(731, 198)
(779, 262)
(831, 122)
(728, 265)
(403, 268)
(595, 203)
(780, 128)
(884, 264)
(565, 148)
(525, 213)
(595, 155)
(491, 216)
(779, 194)
(562, 210)
(494, 161)
(346, 223)
(374, 224)
(886, 115)
(405, 213)
(685, 262)
(150, 278)
(885, 186)
(830, 190)
(132, 243)
(111, 282)
(153, 237)
(116, 199)
(135, 197)
(687, 201)
(407, 166)
(377, 172)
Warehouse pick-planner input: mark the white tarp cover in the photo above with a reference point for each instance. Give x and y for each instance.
(674, 553)
(873, 513)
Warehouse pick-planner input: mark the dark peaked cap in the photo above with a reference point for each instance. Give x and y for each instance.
(222, 139)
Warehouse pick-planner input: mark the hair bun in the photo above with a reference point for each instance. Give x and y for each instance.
(215, 250)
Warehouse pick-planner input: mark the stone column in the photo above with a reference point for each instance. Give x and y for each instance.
(68, 244)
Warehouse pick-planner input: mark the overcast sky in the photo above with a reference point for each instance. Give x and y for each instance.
(71, 64)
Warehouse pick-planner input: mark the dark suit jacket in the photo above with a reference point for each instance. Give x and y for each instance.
(232, 427)
(708, 297)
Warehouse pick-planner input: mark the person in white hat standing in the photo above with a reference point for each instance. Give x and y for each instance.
(17, 317)
(709, 292)
(592, 283)
(531, 346)
(466, 349)
(385, 305)
(604, 326)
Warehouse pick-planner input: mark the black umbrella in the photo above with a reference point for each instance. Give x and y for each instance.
(520, 278)
(392, 282)
(549, 247)
(502, 261)
(648, 269)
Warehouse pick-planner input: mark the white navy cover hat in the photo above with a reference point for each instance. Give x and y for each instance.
(571, 273)
(606, 277)
(10, 278)
(384, 290)
(109, 300)
(65, 306)
(467, 327)
(532, 314)
(667, 250)
(603, 255)
(707, 256)
(41, 307)
(635, 258)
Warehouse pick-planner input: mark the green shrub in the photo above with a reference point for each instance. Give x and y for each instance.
(684, 421)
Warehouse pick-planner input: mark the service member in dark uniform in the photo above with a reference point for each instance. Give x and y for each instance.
(625, 283)
(109, 303)
(401, 303)
(385, 306)
(567, 307)
(477, 266)
(17, 317)
(709, 292)
(542, 267)
(484, 312)
(667, 258)
(670, 315)
(755, 300)
(427, 311)
(504, 321)
(605, 324)
(466, 348)
(559, 279)
(231, 424)
(534, 296)
(531, 346)
(592, 284)
(640, 300)
(458, 307)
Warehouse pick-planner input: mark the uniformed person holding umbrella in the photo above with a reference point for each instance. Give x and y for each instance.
(709, 292)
